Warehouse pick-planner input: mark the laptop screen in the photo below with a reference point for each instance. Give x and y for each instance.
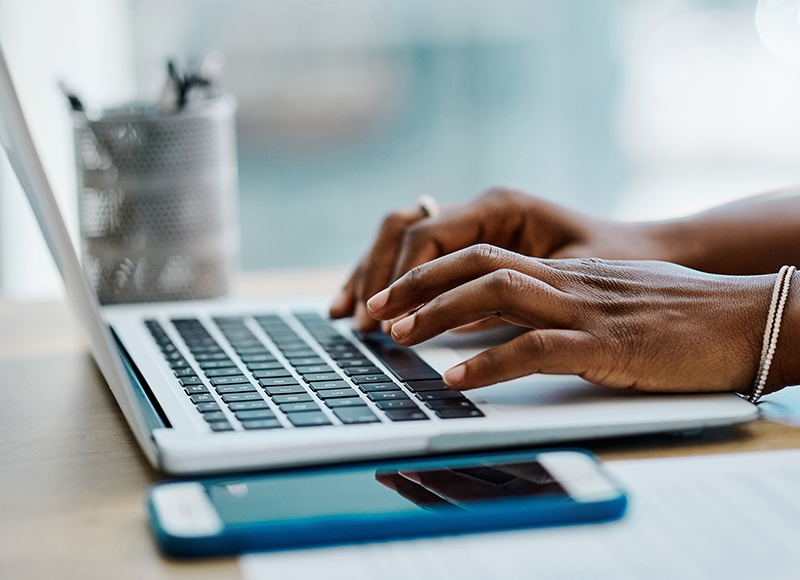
(27, 165)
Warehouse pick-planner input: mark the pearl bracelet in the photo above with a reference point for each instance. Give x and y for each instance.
(779, 295)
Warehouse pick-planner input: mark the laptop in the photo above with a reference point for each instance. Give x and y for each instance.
(223, 385)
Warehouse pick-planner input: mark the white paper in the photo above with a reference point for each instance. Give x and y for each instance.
(709, 517)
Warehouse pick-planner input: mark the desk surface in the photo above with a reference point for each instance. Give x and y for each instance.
(72, 479)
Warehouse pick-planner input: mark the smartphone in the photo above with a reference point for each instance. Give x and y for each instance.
(381, 501)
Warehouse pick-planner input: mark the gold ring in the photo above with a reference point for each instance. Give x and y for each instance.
(429, 206)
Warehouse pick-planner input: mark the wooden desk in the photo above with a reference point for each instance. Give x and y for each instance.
(72, 479)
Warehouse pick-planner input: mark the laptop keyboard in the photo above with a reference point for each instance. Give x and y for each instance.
(286, 382)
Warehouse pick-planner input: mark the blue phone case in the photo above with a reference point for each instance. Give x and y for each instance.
(342, 529)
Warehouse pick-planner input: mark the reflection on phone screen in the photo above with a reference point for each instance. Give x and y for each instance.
(448, 488)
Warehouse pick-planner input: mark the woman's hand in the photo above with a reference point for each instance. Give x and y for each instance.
(652, 326)
(504, 218)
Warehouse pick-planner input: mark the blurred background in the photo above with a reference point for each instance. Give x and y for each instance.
(632, 109)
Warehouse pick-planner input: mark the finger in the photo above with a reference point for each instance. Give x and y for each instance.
(551, 351)
(481, 325)
(436, 237)
(433, 278)
(377, 267)
(452, 485)
(411, 490)
(493, 218)
(344, 303)
(506, 294)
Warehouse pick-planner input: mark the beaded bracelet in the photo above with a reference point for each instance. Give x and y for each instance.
(779, 295)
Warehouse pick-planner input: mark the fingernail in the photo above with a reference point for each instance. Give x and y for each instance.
(378, 301)
(402, 328)
(386, 326)
(454, 376)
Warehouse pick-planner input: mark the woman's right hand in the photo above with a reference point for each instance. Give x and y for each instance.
(504, 218)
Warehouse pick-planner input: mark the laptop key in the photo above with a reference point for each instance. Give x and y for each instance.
(181, 372)
(195, 389)
(238, 388)
(295, 351)
(376, 387)
(251, 358)
(396, 404)
(284, 390)
(180, 363)
(236, 397)
(363, 370)
(457, 413)
(355, 415)
(223, 372)
(336, 394)
(236, 379)
(272, 373)
(387, 395)
(306, 369)
(248, 350)
(320, 377)
(200, 357)
(262, 424)
(254, 414)
(202, 398)
(299, 361)
(216, 364)
(298, 407)
(328, 385)
(362, 379)
(298, 398)
(214, 416)
(406, 415)
(191, 380)
(278, 382)
(264, 365)
(206, 349)
(248, 405)
(220, 426)
(290, 344)
(207, 407)
(341, 356)
(354, 362)
(427, 385)
(308, 419)
(434, 395)
(450, 403)
(348, 402)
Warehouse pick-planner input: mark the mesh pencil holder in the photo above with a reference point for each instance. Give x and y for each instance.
(157, 195)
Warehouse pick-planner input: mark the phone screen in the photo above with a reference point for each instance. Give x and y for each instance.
(366, 491)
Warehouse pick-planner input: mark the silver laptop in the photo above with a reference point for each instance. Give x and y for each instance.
(211, 386)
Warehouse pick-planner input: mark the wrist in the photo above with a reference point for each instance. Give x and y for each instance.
(673, 241)
(785, 369)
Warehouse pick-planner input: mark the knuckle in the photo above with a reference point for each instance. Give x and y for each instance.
(483, 255)
(416, 233)
(413, 279)
(504, 283)
(486, 363)
(394, 222)
(501, 195)
(536, 344)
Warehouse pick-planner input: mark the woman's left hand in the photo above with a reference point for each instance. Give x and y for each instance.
(652, 326)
